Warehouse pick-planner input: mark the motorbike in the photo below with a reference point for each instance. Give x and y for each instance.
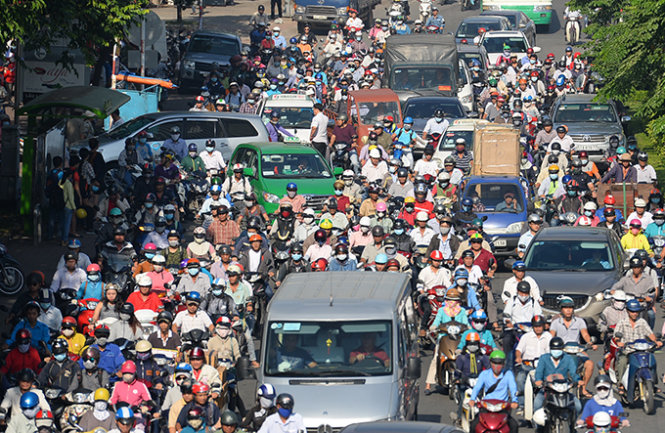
(11, 275)
(194, 338)
(78, 403)
(434, 297)
(119, 273)
(529, 386)
(66, 301)
(467, 4)
(468, 412)
(147, 318)
(573, 28)
(493, 416)
(260, 299)
(559, 408)
(55, 401)
(228, 397)
(396, 10)
(86, 309)
(645, 382)
(127, 347)
(445, 367)
(425, 9)
(340, 156)
(196, 186)
(589, 427)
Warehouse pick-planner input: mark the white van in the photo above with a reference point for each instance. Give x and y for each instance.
(295, 113)
(460, 128)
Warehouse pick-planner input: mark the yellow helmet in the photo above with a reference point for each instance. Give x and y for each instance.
(409, 199)
(553, 168)
(143, 346)
(81, 213)
(102, 394)
(326, 224)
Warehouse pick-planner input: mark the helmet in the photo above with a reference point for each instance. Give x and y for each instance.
(556, 343)
(215, 190)
(193, 296)
(192, 147)
(590, 206)
(566, 301)
(320, 235)
(601, 419)
(69, 321)
(393, 263)
(291, 187)
(126, 308)
(633, 305)
(165, 316)
(196, 353)
(472, 336)
(537, 320)
(125, 415)
(25, 375)
(438, 113)
(60, 345)
(498, 356)
(143, 346)
(460, 273)
(642, 156)
(326, 224)
(523, 287)
(44, 418)
(23, 336)
(128, 367)
(102, 394)
(229, 418)
(408, 120)
(267, 391)
(90, 352)
(71, 256)
(436, 255)
(635, 223)
(478, 315)
(602, 378)
(285, 401)
(194, 413)
(81, 213)
(377, 231)
(466, 201)
(29, 400)
(381, 259)
(452, 294)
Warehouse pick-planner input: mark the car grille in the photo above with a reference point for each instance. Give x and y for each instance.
(551, 300)
(588, 138)
(203, 67)
(321, 10)
(316, 201)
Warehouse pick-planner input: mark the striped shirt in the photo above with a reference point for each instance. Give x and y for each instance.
(463, 162)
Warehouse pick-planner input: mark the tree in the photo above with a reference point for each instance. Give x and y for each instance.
(628, 40)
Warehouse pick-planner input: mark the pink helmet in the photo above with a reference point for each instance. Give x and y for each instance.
(635, 223)
(128, 367)
(381, 207)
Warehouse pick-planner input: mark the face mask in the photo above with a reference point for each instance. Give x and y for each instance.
(273, 86)
(409, 208)
(23, 348)
(472, 348)
(364, 229)
(407, 127)
(342, 257)
(308, 220)
(438, 119)
(31, 413)
(101, 406)
(266, 403)
(556, 152)
(399, 232)
(523, 298)
(523, 161)
(45, 305)
(193, 271)
(466, 208)
(199, 240)
(296, 257)
(68, 332)
(173, 244)
(125, 316)
(291, 194)
(95, 188)
(143, 140)
(89, 365)
(572, 193)
(603, 393)
(554, 176)
(128, 378)
(223, 331)
(478, 326)
(384, 28)
(444, 230)
(159, 230)
(348, 182)
(321, 243)
(60, 357)
(148, 205)
(338, 192)
(618, 305)
(462, 281)
(143, 356)
(102, 341)
(175, 137)
(391, 251)
(284, 413)
(556, 353)
(149, 256)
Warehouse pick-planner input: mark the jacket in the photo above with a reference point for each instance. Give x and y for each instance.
(132, 393)
(66, 376)
(567, 367)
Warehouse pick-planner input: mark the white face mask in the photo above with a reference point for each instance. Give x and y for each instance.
(462, 282)
(223, 331)
(89, 365)
(101, 406)
(445, 230)
(291, 194)
(266, 403)
(342, 257)
(31, 413)
(364, 229)
(603, 394)
(67, 332)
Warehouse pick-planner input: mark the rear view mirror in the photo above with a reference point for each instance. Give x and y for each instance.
(248, 171)
(626, 119)
(536, 50)
(413, 368)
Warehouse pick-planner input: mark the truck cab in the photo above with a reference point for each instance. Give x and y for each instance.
(322, 13)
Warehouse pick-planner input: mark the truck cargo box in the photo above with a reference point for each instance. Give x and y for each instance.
(496, 150)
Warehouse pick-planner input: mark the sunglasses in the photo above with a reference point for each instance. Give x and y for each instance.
(192, 304)
(602, 388)
(89, 359)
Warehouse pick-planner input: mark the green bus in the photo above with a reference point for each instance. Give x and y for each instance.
(540, 11)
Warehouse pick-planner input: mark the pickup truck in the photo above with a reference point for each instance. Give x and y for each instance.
(324, 12)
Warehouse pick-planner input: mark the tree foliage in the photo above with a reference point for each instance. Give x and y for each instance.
(628, 40)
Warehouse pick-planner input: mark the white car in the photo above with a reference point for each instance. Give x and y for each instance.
(495, 41)
(295, 113)
(459, 128)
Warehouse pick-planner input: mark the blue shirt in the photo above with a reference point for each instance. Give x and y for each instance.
(110, 359)
(600, 213)
(654, 229)
(471, 298)
(349, 265)
(485, 338)
(39, 333)
(567, 367)
(90, 289)
(506, 390)
(592, 407)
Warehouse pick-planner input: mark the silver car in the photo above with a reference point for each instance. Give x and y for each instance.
(345, 345)
(226, 129)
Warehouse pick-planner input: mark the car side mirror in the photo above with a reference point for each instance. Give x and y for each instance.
(243, 369)
(413, 368)
(460, 83)
(536, 49)
(248, 171)
(472, 115)
(522, 25)
(626, 119)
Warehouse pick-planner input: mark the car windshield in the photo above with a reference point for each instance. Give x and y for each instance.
(468, 57)
(572, 255)
(128, 128)
(294, 165)
(329, 349)
(371, 112)
(448, 140)
(291, 117)
(495, 197)
(585, 113)
(214, 45)
(470, 30)
(422, 78)
(425, 109)
(495, 44)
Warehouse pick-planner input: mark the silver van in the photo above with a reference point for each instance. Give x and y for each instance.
(345, 345)
(227, 129)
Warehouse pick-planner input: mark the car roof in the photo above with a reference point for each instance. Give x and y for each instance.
(470, 48)
(442, 99)
(219, 35)
(378, 95)
(355, 295)
(566, 233)
(400, 427)
(503, 33)
(278, 147)
(580, 98)
(483, 19)
(501, 12)
(189, 114)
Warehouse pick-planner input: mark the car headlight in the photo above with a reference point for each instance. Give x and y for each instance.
(542, 8)
(300, 9)
(270, 198)
(492, 8)
(515, 227)
(342, 11)
(189, 64)
(467, 98)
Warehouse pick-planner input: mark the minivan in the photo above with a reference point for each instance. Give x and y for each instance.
(226, 129)
(317, 326)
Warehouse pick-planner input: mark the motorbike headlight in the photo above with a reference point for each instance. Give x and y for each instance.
(542, 8)
(342, 11)
(453, 329)
(300, 9)
(560, 387)
(515, 227)
(493, 407)
(270, 198)
(467, 98)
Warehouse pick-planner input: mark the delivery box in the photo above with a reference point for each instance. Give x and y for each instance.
(496, 150)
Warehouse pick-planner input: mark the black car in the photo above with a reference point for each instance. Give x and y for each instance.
(206, 52)
(518, 21)
(468, 28)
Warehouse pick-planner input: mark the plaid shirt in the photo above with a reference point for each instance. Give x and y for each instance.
(223, 232)
(247, 108)
(641, 330)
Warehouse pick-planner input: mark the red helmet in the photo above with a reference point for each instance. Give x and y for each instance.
(392, 262)
(197, 353)
(583, 154)
(610, 200)
(128, 367)
(472, 336)
(23, 335)
(320, 265)
(436, 255)
(69, 321)
(200, 388)
(389, 119)
(94, 267)
(150, 247)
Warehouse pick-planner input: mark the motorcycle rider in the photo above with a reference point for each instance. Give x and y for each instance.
(60, 372)
(125, 421)
(74, 246)
(522, 308)
(110, 356)
(535, 223)
(23, 421)
(437, 124)
(519, 274)
(613, 313)
(295, 263)
(100, 416)
(224, 343)
(20, 357)
(435, 20)
(497, 383)
(218, 303)
(341, 260)
(285, 419)
(469, 364)
(49, 314)
(479, 321)
(431, 276)
(92, 376)
(39, 333)
(639, 284)
(192, 162)
(255, 416)
(241, 292)
(118, 250)
(12, 402)
(556, 362)
(603, 401)
(71, 276)
(202, 401)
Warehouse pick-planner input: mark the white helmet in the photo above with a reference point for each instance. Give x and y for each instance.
(143, 280)
(365, 221)
(539, 417)
(590, 206)
(602, 419)
(275, 29)
(619, 295)
(444, 175)
(159, 259)
(374, 153)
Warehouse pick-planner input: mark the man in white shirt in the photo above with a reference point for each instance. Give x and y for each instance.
(318, 134)
(375, 170)
(641, 213)
(426, 165)
(212, 158)
(69, 277)
(564, 139)
(192, 318)
(645, 172)
(532, 346)
(436, 125)
(422, 234)
(284, 420)
(510, 285)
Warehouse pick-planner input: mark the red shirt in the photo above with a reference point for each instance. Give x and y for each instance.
(482, 259)
(152, 303)
(409, 217)
(17, 361)
(342, 202)
(426, 206)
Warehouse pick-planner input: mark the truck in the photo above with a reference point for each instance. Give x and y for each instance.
(425, 65)
(540, 11)
(322, 13)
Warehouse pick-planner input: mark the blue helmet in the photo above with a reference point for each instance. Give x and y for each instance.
(216, 189)
(408, 120)
(633, 305)
(192, 147)
(194, 296)
(124, 413)
(478, 315)
(461, 273)
(466, 201)
(291, 187)
(183, 367)
(29, 400)
(293, 41)
(381, 258)
(74, 243)
(561, 80)
(115, 212)
(567, 178)
(266, 391)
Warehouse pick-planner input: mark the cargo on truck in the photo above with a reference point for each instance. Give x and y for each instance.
(496, 150)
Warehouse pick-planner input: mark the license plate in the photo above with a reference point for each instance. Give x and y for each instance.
(500, 243)
(320, 17)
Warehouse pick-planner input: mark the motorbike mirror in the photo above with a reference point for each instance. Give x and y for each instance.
(413, 368)
(243, 369)
(484, 218)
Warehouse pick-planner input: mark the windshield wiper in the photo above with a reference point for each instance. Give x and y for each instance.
(343, 373)
(294, 373)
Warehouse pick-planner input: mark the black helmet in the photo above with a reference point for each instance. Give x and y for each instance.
(523, 287)
(229, 418)
(254, 223)
(602, 378)
(165, 316)
(537, 320)
(341, 249)
(577, 163)
(71, 256)
(320, 235)
(285, 401)
(126, 308)
(27, 375)
(562, 63)
(641, 254)
(60, 345)
(438, 112)
(556, 145)
(561, 129)
(556, 343)
(390, 241)
(119, 231)
(439, 209)
(400, 224)
(378, 231)
(297, 248)
(402, 172)
(547, 122)
(224, 249)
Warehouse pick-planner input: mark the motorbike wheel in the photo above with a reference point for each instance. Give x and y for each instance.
(12, 280)
(647, 392)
